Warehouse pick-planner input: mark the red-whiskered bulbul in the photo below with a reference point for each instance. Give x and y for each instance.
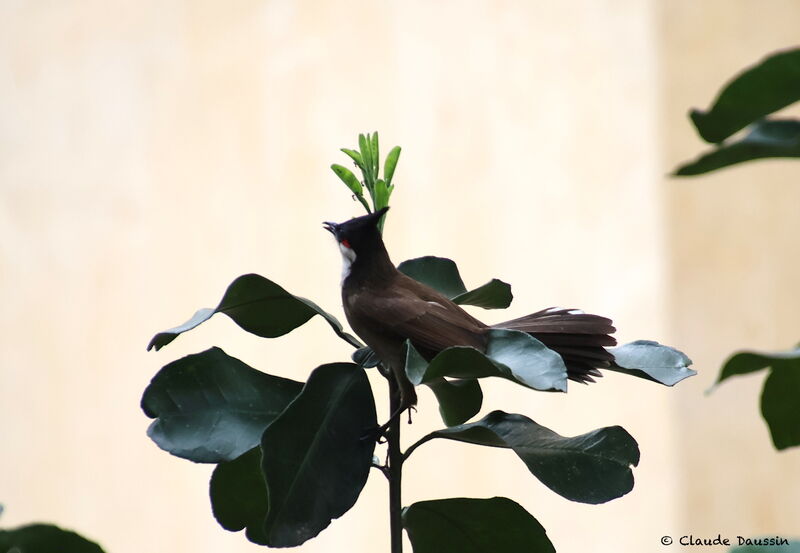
(386, 308)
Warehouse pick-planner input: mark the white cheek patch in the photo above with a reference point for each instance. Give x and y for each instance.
(348, 257)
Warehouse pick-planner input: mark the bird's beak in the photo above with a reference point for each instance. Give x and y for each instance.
(330, 227)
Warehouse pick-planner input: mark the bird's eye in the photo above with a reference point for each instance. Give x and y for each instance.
(346, 244)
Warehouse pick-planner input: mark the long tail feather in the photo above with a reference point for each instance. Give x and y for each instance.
(577, 336)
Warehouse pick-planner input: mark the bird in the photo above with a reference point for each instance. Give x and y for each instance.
(385, 307)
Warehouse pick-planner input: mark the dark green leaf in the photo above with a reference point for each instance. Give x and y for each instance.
(442, 275)
(365, 357)
(652, 361)
(779, 404)
(459, 400)
(439, 273)
(347, 177)
(211, 407)
(591, 468)
(316, 458)
(45, 538)
(765, 139)
(239, 495)
(355, 156)
(510, 354)
(495, 294)
(261, 307)
(755, 93)
(463, 525)
(765, 544)
(163, 338)
(745, 362)
(390, 164)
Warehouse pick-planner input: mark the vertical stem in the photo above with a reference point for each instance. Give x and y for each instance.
(395, 462)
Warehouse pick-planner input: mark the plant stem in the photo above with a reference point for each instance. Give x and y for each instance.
(418, 443)
(395, 469)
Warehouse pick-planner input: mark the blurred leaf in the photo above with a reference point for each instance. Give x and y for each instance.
(779, 405)
(758, 91)
(765, 544)
(745, 362)
(510, 354)
(652, 361)
(459, 400)
(780, 393)
(591, 468)
(261, 307)
(315, 457)
(211, 407)
(355, 156)
(348, 178)
(442, 275)
(239, 495)
(390, 164)
(765, 139)
(45, 538)
(463, 525)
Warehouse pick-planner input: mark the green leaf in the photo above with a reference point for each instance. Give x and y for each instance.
(459, 400)
(315, 457)
(745, 362)
(765, 544)
(381, 194)
(376, 154)
(760, 90)
(347, 177)
(495, 294)
(591, 468)
(45, 538)
(652, 361)
(239, 495)
(780, 393)
(211, 407)
(779, 404)
(464, 525)
(439, 273)
(366, 156)
(442, 275)
(390, 164)
(355, 156)
(261, 307)
(510, 354)
(765, 139)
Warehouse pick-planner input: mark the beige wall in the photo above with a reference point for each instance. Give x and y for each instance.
(151, 152)
(733, 275)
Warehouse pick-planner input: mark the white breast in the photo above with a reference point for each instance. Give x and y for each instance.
(348, 257)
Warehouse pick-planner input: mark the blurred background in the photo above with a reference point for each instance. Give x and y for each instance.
(150, 152)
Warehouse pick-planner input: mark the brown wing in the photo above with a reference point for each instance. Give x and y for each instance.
(418, 313)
